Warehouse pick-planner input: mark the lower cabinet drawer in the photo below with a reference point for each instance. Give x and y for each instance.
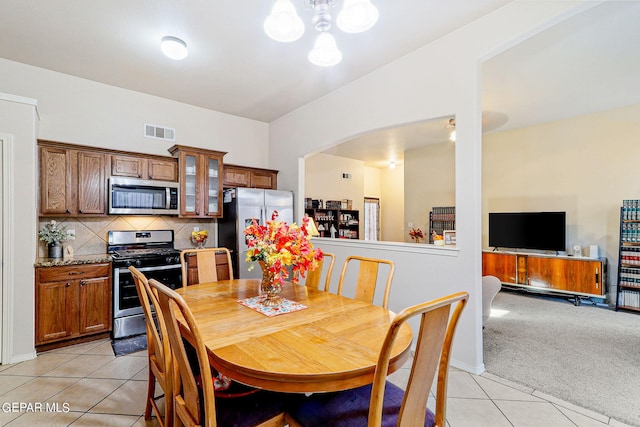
(72, 272)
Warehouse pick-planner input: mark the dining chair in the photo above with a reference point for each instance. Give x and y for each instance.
(367, 277)
(205, 265)
(383, 403)
(195, 404)
(314, 276)
(158, 354)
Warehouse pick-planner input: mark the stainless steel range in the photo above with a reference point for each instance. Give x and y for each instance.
(150, 251)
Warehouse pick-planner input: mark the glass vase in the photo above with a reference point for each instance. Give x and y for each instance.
(269, 287)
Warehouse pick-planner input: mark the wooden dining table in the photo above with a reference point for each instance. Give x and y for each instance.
(332, 344)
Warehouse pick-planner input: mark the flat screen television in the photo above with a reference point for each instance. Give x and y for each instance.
(528, 230)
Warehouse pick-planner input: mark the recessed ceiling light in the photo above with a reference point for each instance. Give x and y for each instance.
(174, 48)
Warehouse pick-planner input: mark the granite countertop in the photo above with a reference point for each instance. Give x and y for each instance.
(75, 260)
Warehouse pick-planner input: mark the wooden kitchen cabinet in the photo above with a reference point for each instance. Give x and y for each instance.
(72, 303)
(201, 174)
(571, 275)
(144, 167)
(72, 181)
(244, 176)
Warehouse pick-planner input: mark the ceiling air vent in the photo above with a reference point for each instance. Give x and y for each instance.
(159, 132)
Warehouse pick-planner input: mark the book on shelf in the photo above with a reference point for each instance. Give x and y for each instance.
(631, 210)
(629, 298)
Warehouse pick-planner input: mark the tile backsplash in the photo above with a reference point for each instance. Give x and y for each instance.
(91, 232)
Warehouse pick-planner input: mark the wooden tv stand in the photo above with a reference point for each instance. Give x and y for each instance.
(576, 276)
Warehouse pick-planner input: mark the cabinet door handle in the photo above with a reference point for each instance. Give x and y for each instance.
(67, 285)
(79, 210)
(71, 273)
(83, 282)
(597, 278)
(67, 211)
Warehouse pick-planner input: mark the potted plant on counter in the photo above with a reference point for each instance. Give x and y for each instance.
(54, 233)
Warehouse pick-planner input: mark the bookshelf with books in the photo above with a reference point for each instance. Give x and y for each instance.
(628, 291)
(336, 223)
(441, 219)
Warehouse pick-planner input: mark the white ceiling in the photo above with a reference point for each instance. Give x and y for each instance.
(233, 66)
(585, 64)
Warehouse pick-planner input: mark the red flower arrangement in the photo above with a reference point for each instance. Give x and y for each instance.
(416, 234)
(279, 246)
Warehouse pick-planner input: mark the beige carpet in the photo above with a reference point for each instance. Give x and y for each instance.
(586, 355)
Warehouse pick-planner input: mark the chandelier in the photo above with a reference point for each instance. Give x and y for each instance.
(284, 25)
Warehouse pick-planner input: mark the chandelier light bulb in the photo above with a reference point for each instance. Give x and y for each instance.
(357, 16)
(174, 48)
(325, 53)
(284, 24)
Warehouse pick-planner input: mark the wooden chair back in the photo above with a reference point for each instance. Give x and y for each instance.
(433, 351)
(205, 265)
(314, 277)
(158, 351)
(187, 400)
(367, 278)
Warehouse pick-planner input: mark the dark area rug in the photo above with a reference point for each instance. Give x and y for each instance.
(129, 345)
(585, 355)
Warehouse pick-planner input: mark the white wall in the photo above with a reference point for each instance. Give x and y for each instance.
(323, 179)
(429, 176)
(372, 182)
(19, 120)
(441, 79)
(392, 228)
(84, 112)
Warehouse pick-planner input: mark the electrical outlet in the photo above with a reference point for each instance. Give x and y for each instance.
(410, 225)
(196, 228)
(71, 234)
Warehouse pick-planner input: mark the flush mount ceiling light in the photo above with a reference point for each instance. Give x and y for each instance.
(392, 164)
(174, 48)
(285, 25)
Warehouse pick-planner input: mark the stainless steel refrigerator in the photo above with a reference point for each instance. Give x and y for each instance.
(241, 206)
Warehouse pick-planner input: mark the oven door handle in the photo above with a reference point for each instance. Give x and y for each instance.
(156, 268)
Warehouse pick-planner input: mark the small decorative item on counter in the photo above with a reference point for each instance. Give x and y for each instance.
(54, 233)
(277, 246)
(416, 234)
(199, 237)
(438, 240)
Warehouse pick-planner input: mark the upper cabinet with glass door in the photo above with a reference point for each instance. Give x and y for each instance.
(200, 181)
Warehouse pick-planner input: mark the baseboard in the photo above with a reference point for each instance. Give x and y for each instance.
(22, 357)
(477, 369)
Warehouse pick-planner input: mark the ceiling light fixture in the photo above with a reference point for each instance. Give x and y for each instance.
(174, 48)
(452, 125)
(392, 164)
(285, 25)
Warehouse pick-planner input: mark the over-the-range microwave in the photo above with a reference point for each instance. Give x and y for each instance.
(131, 196)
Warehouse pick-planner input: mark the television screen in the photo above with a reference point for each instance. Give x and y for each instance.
(528, 230)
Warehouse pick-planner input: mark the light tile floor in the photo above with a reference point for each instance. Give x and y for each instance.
(86, 385)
